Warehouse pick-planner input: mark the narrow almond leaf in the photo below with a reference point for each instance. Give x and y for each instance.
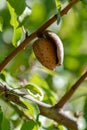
(17, 31)
(32, 108)
(17, 35)
(58, 6)
(13, 20)
(34, 89)
(48, 95)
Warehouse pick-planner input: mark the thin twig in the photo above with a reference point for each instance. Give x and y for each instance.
(35, 34)
(69, 94)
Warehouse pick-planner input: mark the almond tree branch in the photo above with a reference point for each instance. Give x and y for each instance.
(59, 117)
(35, 34)
(52, 112)
(69, 94)
(45, 109)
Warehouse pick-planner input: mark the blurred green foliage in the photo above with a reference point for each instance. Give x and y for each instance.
(25, 72)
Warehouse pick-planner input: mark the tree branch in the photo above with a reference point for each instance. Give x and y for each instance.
(69, 94)
(59, 117)
(53, 112)
(35, 34)
(45, 109)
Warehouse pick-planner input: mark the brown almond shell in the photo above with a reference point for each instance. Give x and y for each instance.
(45, 52)
(54, 38)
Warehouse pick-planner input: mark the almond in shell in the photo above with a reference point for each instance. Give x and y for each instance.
(49, 50)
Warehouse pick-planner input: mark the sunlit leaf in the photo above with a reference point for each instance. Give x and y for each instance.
(17, 31)
(13, 20)
(32, 110)
(58, 4)
(17, 36)
(48, 94)
(34, 89)
(60, 127)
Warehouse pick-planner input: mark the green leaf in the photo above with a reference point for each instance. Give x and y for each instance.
(29, 125)
(17, 31)
(18, 5)
(42, 83)
(58, 6)
(58, 18)
(34, 89)
(1, 117)
(13, 20)
(32, 110)
(60, 127)
(1, 24)
(17, 36)
(5, 124)
(8, 79)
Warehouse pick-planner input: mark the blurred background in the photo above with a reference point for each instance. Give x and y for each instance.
(16, 17)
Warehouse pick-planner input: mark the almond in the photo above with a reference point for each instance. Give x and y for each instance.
(54, 38)
(49, 50)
